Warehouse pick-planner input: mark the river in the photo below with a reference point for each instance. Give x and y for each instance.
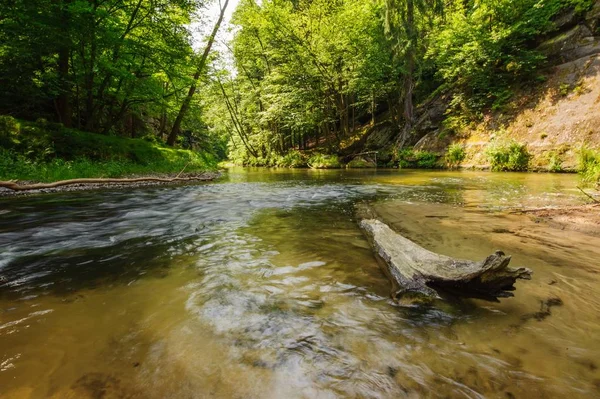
(261, 285)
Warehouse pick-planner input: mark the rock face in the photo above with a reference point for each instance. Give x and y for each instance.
(414, 270)
(573, 44)
(576, 36)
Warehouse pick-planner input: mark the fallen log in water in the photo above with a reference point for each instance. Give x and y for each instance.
(415, 270)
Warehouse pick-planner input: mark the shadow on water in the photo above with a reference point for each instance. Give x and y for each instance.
(66, 272)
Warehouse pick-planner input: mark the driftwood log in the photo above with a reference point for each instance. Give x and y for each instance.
(415, 271)
(13, 185)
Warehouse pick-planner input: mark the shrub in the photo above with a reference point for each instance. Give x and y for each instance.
(511, 156)
(589, 165)
(322, 161)
(426, 159)
(455, 155)
(408, 158)
(293, 159)
(361, 163)
(405, 158)
(8, 126)
(555, 162)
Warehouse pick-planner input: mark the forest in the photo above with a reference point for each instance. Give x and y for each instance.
(299, 199)
(287, 83)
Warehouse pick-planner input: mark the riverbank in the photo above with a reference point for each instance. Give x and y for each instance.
(144, 181)
(45, 152)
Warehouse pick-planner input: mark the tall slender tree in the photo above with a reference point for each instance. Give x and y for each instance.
(199, 70)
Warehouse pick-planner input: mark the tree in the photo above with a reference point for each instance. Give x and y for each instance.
(201, 64)
(405, 21)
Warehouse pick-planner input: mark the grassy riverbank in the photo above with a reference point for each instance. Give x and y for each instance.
(45, 152)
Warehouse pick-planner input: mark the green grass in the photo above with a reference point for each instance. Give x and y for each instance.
(48, 152)
(509, 156)
(589, 165)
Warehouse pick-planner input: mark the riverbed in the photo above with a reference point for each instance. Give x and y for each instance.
(261, 285)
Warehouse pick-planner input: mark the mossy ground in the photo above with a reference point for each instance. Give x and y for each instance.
(40, 151)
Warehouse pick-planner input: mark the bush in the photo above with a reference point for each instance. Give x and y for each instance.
(426, 159)
(408, 158)
(555, 162)
(361, 163)
(322, 161)
(8, 126)
(405, 158)
(455, 155)
(511, 156)
(589, 165)
(293, 159)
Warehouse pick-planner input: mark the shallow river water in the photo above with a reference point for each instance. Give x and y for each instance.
(262, 286)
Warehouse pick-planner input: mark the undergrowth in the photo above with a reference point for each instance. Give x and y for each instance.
(409, 158)
(455, 155)
(589, 165)
(48, 152)
(508, 156)
(323, 161)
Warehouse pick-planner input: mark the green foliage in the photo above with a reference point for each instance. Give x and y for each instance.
(9, 126)
(456, 122)
(426, 160)
(589, 165)
(308, 74)
(47, 153)
(555, 162)
(111, 66)
(455, 155)
(508, 156)
(295, 63)
(408, 158)
(322, 161)
(293, 159)
(405, 158)
(481, 51)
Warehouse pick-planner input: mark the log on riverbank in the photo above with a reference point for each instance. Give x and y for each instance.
(415, 270)
(15, 186)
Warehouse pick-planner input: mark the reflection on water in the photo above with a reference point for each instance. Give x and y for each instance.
(262, 286)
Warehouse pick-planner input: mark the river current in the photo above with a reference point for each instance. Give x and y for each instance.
(261, 285)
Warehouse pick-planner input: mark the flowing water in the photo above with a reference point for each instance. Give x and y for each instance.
(262, 286)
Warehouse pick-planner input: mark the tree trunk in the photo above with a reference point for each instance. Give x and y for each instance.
(63, 102)
(409, 75)
(415, 271)
(90, 74)
(188, 99)
(373, 107)
(100, 105)
(12, 185)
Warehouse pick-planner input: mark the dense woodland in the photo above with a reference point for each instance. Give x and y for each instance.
(296, 75)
